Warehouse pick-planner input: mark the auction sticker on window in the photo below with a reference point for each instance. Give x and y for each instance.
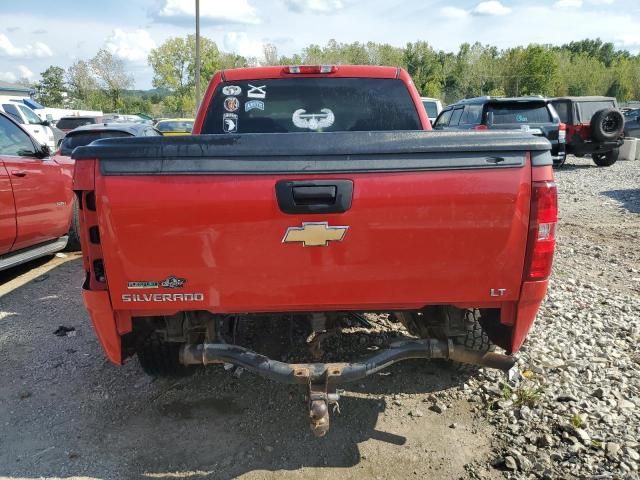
(230, 123)
(231, 104)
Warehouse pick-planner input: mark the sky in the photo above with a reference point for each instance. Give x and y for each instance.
(37, 33)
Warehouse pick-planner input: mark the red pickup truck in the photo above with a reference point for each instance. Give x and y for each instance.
(314, 195)
(36, 201)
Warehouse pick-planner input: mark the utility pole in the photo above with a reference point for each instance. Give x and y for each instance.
(197, 54)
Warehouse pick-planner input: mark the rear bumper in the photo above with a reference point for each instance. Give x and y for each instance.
(102, 316)
(109, 325)
(580, 147)
(558, 152)
(531, 296)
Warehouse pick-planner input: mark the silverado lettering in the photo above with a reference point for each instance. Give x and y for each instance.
(162, 297)
(425, 229)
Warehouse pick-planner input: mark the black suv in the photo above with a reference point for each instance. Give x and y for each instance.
(530, 114)
(595, 126)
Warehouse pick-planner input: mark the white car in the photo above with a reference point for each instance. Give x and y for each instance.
(32, 123)
(433, 106)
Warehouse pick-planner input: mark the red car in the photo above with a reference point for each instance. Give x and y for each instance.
(36, 201)
(313, 195)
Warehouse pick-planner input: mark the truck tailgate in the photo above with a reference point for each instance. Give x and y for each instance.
(426, 226)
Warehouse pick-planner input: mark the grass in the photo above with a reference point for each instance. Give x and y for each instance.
(528, 395)
(577, 421)
(507, 391)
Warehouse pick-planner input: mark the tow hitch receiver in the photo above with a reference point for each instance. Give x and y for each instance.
(322, 378)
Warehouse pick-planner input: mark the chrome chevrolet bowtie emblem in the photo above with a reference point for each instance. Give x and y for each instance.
(314, 234)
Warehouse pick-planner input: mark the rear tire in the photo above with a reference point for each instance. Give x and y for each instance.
(606, 159)
(161, 359)
(73, 243)
(475, 338)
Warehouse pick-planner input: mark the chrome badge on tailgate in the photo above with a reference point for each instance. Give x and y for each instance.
(315, 234)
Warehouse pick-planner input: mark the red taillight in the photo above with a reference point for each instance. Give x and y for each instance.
(562, 133)
(542, 230)
(481, 127)
(310, 69)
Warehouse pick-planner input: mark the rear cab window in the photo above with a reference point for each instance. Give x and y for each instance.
(588, 109)
(472, 115)
(311, 105)
(175, 126)
(81, 139)
(71, 123)
(519, 113)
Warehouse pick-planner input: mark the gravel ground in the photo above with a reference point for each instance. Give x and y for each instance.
(575, 414)
(65, 412)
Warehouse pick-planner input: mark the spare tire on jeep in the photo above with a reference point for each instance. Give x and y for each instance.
(607, 124)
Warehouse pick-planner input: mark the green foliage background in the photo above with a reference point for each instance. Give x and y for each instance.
(586, 67)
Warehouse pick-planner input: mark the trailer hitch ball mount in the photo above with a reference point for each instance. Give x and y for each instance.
(322, 378)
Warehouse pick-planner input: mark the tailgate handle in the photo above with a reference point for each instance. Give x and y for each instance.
(314, 196)
(495, 160)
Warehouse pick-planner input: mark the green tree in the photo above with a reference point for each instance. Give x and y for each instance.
(173, 65)
(111, 76)
(51, 90)
(622, 83)
(81, 83)
(270, 54)
(530, 70)
(423, 64)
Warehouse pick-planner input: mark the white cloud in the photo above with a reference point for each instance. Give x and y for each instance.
(491, 8)
(568, 4)
(31, 50)
(240, 43)
(8, 77)
(22, 72)
(630, 41)
(25, 72)
(133, 46)
(211, 11)
(453, 12)
(315, 6)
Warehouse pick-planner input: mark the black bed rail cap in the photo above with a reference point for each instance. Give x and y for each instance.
(309, 143)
